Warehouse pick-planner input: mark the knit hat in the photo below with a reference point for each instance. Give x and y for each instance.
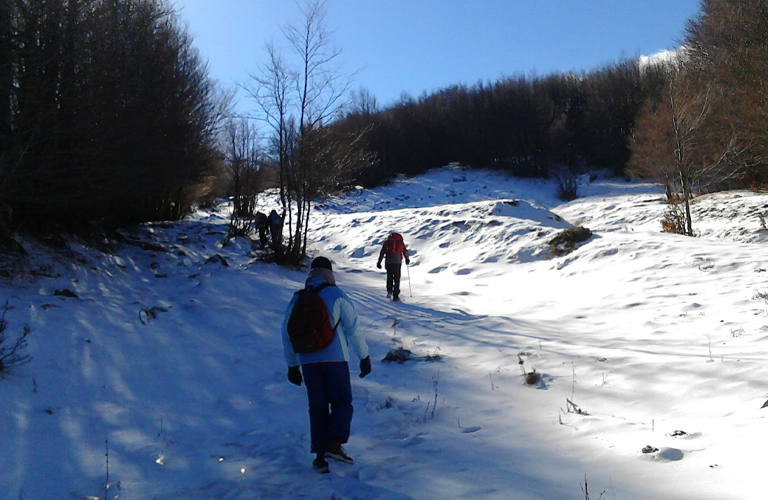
(322, 263)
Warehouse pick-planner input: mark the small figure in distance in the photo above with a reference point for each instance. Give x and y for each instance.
(275, 223)
(393, 252)
(263, 228)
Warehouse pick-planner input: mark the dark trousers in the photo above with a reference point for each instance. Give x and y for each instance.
(393, 279)
(330, 403)
(276, 232)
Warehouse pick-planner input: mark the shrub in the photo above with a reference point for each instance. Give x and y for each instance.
(566, 240)
(567, 189)
(397, 355)
(674, 219)
(10, 355)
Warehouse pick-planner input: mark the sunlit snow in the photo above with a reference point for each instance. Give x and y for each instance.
(164, 378)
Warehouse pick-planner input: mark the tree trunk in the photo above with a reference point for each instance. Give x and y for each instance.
(306, 228)
(6, 75)
(687, 202)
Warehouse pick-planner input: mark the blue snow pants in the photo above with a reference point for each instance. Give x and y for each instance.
(329, 391)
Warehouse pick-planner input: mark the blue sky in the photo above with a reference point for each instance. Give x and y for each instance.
(415, 46)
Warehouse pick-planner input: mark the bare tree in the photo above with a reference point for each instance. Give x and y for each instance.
(11, 355)
(681, 140)
(363, 102)
(651, 144)
(6, 73)
(299, 104)
(319, 86)
(244, 164)
(271, 89)
(728, 44)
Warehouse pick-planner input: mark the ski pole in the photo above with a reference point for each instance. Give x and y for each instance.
(410, 290)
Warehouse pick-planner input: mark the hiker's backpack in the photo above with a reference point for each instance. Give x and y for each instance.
(395, 245)
(309, 326)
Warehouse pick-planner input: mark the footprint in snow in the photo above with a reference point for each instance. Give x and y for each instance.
(415, 441)
(665, 454)
(470, 430)
(670, 455)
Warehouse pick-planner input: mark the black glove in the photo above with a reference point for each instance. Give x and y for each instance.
(294, 375)
(365, 366)
(378, 264)
(407, 261)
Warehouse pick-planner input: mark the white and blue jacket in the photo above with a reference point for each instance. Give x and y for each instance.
(346, 334)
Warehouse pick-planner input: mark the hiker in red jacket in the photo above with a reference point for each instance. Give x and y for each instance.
(394, 250)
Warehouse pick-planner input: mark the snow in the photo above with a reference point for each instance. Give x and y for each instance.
(164, 378)
(665, 57)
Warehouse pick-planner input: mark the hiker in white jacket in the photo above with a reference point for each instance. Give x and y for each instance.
(325, 372)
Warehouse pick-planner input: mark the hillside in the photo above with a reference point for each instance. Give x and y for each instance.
(164, 376)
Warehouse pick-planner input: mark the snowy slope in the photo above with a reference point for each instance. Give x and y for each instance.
(170, 362)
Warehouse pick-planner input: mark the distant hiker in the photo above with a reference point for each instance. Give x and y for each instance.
(262, 226)
(319, 327)
(394, 251)
(276, 231)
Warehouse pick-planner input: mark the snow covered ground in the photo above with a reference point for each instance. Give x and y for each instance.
(164, 377)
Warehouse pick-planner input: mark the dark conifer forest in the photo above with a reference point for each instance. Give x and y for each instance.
(106, 113)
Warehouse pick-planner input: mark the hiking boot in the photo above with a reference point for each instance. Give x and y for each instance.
(337, 452)
(396, 298)
(320, 465)
(389, 295)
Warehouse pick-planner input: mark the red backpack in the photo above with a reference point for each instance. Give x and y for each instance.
(395, 244)
(309, 326)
